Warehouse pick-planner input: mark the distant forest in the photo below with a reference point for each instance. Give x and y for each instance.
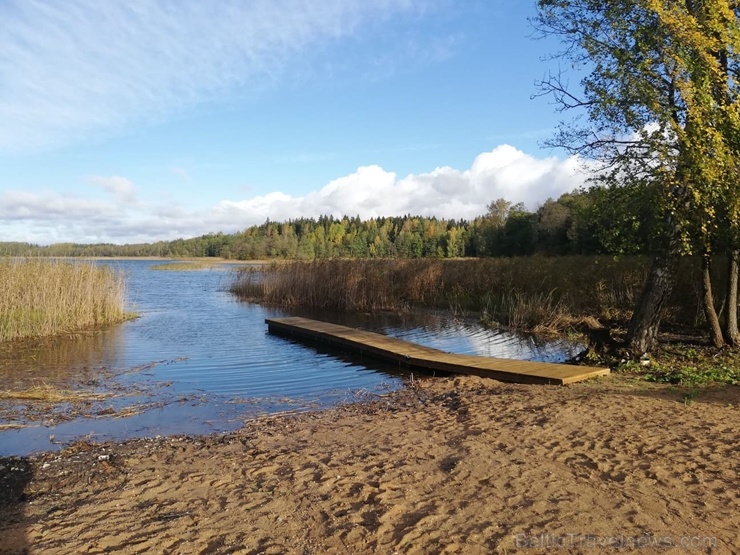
(595, 221)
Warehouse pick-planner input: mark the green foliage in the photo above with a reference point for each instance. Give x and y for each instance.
(554, 219)
(622, 219)
(691, 366)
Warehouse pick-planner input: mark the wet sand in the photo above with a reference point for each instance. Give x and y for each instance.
(458, 465)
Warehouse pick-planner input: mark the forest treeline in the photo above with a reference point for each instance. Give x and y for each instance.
(595, 221)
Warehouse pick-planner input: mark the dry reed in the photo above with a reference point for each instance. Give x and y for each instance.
(535, 293)
(41, 297)
(51, 394)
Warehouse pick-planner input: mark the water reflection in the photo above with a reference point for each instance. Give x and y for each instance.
(59, 361)
(209, 362)
(457, 335)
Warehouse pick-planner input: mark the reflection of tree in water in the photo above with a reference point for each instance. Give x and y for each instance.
(60, 360)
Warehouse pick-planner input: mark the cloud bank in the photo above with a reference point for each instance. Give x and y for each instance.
(370, 191)
(80, 67)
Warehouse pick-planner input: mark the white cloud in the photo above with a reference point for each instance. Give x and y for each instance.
(48, 208)
(121, 187)
(370, 191)
(505, 172)
(50, 217)
(79, 67)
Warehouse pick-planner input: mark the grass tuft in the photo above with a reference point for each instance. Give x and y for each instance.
(42, 297)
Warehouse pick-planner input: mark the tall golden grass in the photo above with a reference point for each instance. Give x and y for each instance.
(534, 293)
(40, 297)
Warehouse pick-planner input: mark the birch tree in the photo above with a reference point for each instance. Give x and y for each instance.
(658, 107)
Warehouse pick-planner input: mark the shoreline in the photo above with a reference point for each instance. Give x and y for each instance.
(215, 260)
(445, 465)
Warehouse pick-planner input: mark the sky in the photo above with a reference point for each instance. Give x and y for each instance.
(129, 121)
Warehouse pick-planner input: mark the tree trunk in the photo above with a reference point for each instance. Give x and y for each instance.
(732, 336)
(715, 330)
(642, 336)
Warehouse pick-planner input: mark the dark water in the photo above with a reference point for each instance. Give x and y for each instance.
(203, 362)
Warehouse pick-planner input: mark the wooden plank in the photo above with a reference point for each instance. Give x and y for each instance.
(418, 356)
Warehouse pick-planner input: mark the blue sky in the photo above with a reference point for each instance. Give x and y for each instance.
(130, 121)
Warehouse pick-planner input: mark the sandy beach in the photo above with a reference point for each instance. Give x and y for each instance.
(455, 465)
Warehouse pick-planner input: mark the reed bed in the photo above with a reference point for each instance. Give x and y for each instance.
(41, 297)
(534, 293)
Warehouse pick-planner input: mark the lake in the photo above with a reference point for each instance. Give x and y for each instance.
(199, 361)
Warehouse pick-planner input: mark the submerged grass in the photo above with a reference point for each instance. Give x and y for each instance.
(544, 294)
(42, 297)
(51, 394)
(183, 266)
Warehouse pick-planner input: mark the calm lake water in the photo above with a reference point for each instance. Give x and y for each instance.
(199, 361)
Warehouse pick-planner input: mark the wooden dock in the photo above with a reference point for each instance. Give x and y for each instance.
(418, 356)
